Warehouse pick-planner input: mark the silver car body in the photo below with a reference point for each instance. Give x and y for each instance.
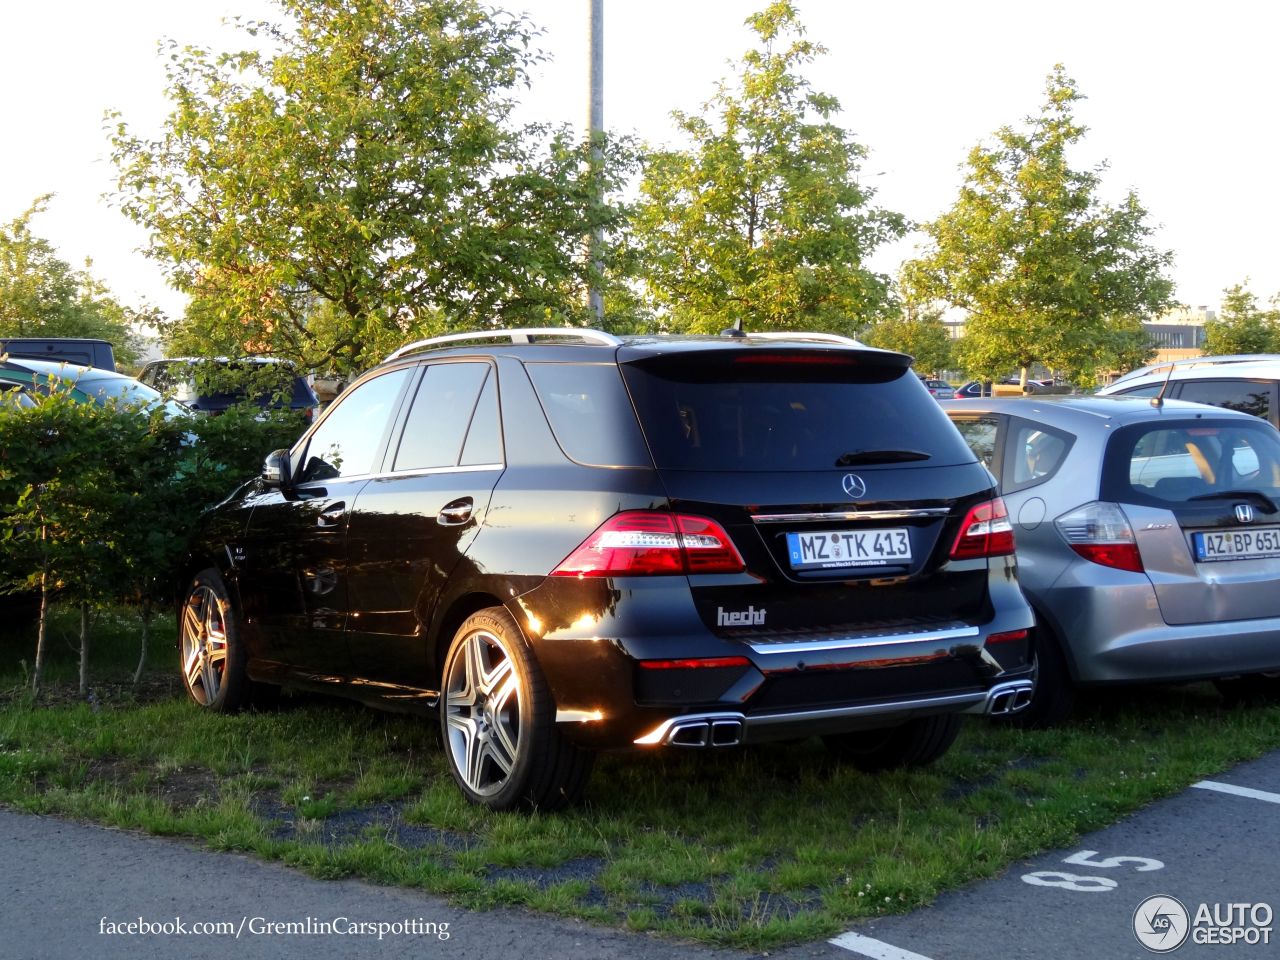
(1245, 382)
(1176, 618)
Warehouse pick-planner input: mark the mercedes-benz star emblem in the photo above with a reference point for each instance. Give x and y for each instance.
(1244, 512)
(855, 487)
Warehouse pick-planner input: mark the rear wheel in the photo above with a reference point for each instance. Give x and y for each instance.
(1251, 688)
(497, 719)
(1054, 695)
(915, 743)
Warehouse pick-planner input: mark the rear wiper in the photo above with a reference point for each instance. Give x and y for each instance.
(1257, 495)
(880, 456)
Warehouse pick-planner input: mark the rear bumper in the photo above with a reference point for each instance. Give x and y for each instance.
(727, 729)
(776, 687)
(1113, 632)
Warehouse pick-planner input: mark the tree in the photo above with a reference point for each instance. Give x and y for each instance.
(1045, 270)
(41, 295)
(1242, 326)
(917, 331)
(763, 220)
(359, 182)
(75, 490)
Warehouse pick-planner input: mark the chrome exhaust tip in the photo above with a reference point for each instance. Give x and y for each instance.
(1009, 697)
(699, 730)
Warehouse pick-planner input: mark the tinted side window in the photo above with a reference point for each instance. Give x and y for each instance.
(441, 412)
(348, 439)
(1247, 396)
(1146, 390)
(484, 439)
(1034, 453)
(590, 413)
(980, 435)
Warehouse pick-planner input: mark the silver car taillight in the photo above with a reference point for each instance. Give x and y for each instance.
(1100, 533)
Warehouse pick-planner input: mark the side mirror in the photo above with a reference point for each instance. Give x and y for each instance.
(275, 469)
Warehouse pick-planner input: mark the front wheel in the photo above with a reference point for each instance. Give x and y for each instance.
(497, 719)
(212, 656)
(915, 743)
(1054, 696)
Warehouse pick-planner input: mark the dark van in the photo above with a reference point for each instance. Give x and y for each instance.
(82, 351)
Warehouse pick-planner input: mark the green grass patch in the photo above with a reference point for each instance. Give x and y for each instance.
(750, 848)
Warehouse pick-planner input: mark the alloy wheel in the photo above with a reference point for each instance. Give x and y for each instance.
(482, 712)
(204, 645)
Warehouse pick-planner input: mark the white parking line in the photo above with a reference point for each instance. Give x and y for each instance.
(875, 949)
(1238, 791)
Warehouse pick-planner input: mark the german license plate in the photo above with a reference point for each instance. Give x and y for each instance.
(834, 549)
(1237, 544)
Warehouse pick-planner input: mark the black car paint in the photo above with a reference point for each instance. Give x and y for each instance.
(342, 605)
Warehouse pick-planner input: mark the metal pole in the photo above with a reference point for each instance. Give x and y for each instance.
(595, 133)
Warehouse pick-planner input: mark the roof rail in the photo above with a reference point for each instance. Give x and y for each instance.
(804, 335)
(1188, 362)
(516, 335)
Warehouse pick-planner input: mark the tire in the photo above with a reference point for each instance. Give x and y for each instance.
(211, 656)
(1054, 697)
(915, 743)
(1251, 688)
(497, 721)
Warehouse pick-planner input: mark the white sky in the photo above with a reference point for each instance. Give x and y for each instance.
(1182, 103)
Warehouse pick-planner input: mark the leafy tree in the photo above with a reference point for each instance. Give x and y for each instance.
(1242, 326)
(762, 219)
(360, 183)
(1045, 270)
(917, 331)
(41, 295)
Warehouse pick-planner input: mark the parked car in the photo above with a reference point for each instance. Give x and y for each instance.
(570, 542)
(211, 385)
(81, 351)
(938, 389)
(1148, 539)
(88, 384)
(1245, 382)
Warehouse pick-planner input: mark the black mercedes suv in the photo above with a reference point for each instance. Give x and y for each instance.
(565, 542)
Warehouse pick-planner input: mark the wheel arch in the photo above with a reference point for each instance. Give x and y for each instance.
(450, 619)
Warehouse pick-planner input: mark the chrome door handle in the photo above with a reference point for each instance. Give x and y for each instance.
(456, 513)
(332, 515)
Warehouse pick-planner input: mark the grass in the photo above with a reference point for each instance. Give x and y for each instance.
(749, 849)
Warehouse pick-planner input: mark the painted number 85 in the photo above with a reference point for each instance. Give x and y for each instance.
(1085, 884)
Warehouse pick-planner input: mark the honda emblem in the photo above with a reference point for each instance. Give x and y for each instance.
(1244, 513)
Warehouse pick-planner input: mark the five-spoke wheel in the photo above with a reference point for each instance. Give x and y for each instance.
(212, 660)
(498, 721)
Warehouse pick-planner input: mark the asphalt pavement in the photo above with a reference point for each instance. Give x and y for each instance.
(75, 890)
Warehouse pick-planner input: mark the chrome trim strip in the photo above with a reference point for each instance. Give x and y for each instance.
(852, 515)
(864, 643)
(864, 710)
(662, 733)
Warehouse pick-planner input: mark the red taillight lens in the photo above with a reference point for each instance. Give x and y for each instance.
(1008, 637)
(703, 664)
(986, 532)
(648, 543)
(1100, 533)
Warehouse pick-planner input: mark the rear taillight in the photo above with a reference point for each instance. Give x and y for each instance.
(985, 532)
(648, 543)
(1100, 533)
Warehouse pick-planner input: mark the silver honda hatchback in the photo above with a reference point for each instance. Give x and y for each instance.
(1148, 539)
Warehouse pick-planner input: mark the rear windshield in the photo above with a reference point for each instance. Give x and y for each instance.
(789, 415)
(1169, 463)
